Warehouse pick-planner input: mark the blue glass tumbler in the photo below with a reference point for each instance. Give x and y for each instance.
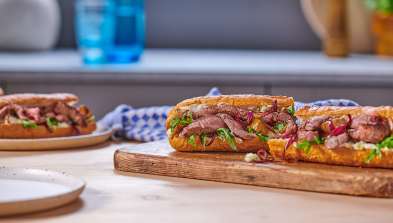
(129, 32)
(95, 23)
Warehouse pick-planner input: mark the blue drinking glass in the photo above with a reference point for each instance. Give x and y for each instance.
(95, 22)
(129, 32)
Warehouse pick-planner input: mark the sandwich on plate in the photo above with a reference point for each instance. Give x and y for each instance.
(240, 123)
(43, 116)
(351, 136)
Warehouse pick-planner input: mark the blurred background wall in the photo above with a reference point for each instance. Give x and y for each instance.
(230, 24)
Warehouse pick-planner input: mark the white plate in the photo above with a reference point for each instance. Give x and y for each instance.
(96, 137)
(30, 190)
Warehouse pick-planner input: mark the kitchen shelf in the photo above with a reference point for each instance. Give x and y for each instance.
(166, 76)
(190, 67)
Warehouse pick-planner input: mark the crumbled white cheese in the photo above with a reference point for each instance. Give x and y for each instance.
(195, 107)
(263, 108)
(363, 145)
(251, 157)
(14, 120)
(63, 125)
(169, 132)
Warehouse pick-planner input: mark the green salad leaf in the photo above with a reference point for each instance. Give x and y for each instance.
(51, 122)
(319, 140)
(203, 137)
(261, 137)
(191, 140)
(28, 124)
(305, 146)
(225, 135)
(185, 120)
(386, 143)
(291, 110)
(385, 6)
(279, 127)
(174, 123)
(377, 151)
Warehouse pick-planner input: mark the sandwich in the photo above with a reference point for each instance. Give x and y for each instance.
(43, 116)
(240, 123)
(351, 136)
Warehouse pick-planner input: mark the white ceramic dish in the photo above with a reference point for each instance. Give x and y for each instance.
(31, 190)
(96, 137)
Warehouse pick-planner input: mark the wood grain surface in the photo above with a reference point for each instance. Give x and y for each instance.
(116, 196)
(159, 158)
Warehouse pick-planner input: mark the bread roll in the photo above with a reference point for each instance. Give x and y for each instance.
(246, 145)
(347, 154)
(29, 105)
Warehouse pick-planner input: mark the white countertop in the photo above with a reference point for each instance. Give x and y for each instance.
(202, 66)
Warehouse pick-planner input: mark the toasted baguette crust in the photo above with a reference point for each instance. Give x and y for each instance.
(309, 112)
(38, 99)
(236, 100)
(252, 145)
(17, 131)
(239, 100)
(339, 156)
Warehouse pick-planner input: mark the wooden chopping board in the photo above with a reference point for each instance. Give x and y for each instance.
(159, 158)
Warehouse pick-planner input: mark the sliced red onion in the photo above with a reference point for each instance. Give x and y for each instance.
(335, 131)
(250, 116)
(274, 106)
(263, 155)
(272, 109)
(290, 141)
(349, 123)
(331, 126)
(237, 117)
(339, 130)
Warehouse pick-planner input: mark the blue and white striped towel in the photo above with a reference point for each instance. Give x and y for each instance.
(148, 124)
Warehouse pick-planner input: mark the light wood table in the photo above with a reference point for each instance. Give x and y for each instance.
(112, 196)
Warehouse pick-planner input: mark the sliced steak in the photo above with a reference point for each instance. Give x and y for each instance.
(367, 119)
(332, 142)
(4, 111)
(369, 128)
(233, 111)
(270, 118)
(19, 111)
(201, 111)
(33, 114)
(371, 134)
(307, 135)
(235, 127)
(206, 124)
(69, 112)
(290, 125)
(61, 118)
(314, 123)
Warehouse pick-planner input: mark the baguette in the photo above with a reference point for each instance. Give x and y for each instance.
(38, 99)
(320, 154)
(181, 143)
(43, 116)
(17, 131)
(335, 111)
(354, 153)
